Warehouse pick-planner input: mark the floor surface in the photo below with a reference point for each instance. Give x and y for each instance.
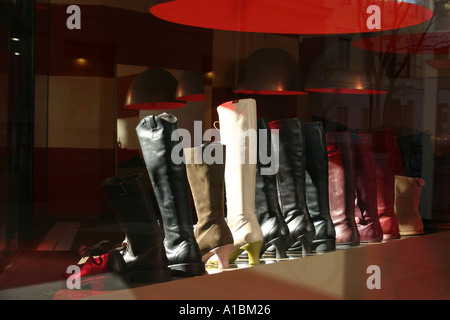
(410, 268)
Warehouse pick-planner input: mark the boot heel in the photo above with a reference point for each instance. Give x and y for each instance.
(188, 269)
(306, 240)
(324, 245)
(281, 245)
(235, 254)
(253, 250)
(223, 255)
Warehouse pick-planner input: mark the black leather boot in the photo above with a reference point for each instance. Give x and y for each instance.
(317, 197)
(412, 149)
(144, 254)
(158, 136)
(291, 182)
(267, 207)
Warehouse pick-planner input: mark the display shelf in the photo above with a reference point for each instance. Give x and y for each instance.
(410, 268)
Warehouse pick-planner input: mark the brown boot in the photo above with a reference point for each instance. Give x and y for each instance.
(206, 181)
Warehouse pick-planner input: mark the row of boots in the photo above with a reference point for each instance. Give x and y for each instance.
(329, 189)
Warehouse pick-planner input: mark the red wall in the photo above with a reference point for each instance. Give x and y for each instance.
(68, 182)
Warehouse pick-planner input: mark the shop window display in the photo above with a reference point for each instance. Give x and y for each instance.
(342, 148)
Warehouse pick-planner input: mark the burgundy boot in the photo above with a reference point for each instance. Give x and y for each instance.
(341, 185)
(366, 211)
(387, 165)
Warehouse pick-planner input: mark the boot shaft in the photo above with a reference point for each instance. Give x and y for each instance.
(130, 194)
(342, 187)
(386, 152)
(206, 180)
(316, 155)
(164, 158)
(291, 181)
(388, 163)
(267, 206)
(158, 137)
(342, 178)
(413, 148)
(291, 174)
(266, 186)
(407, 201)
(207, 186)
(366, 210)
(130, 198)
(317, 191)
(238, 132)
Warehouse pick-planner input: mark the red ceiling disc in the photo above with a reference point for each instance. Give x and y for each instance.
(273, 92)
(156, 105)
(347, 91)
(293, 16)
(439, 64)
(192, 97)
(412, 43)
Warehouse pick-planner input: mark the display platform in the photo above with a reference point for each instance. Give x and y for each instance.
(409, 268)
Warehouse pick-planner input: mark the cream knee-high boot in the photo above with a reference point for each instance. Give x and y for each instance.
(238, 132)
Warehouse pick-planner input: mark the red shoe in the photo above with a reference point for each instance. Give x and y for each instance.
(97, 270)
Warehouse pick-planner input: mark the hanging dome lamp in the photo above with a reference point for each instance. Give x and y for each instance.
(153, 89)
(191, 87)
(269, 71)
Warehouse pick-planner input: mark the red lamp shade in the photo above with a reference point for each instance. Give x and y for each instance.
(439, 64)
(330, 74)
(432, 37)
(346, 91)
(153, 89)
(269, 71)
(407, 43)
(343, 82)
(191, 87)
(292, 16)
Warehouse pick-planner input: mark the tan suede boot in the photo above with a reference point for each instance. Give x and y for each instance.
(407, 200)
(206, 181)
